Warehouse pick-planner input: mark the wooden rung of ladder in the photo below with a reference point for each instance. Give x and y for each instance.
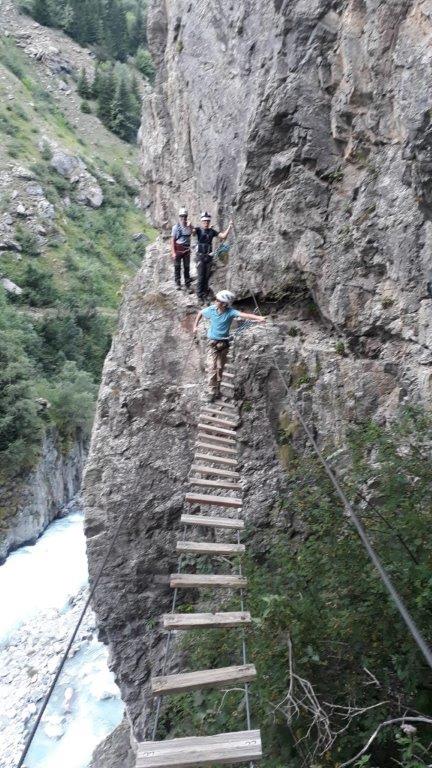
(195, 580)
(204, 470)
(209, 548)
(206, 620)
(228, 375)
(206, 678)
(227, 385)
(216, 459)
(217, 430)
(226, 406)
(216, 439)
(194, 752)
(211, 417)
(213, 501)
(222, 484)
(222, 448)
(213, 522)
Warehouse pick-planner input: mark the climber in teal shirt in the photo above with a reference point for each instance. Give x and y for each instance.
(221, 314)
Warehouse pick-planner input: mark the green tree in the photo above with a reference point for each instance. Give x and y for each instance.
(41, 12)
(144, 63)
(72, 396)
(116, 31)
(20, 425)
(137, 34)
(39, 289)
(106, 88)
(125, 110)
(84, 88)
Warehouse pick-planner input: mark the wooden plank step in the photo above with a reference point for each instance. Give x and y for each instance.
(206, 678)
(213, 501)
(226, 384)
(210, 548)
(225, 405)
(212, 417)
(217, 430)
(216, 459)
(194, 580)
(222, 484)
(194, 752)
(228, 375)
(216, 439)
(203, 470)
(227, 413)
(211, 446)
(206, 620)
(204, 521)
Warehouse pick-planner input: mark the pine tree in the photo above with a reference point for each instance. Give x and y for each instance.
(137, 35)
(116, 31)
(41, 12)
(121, 110)
(106, 93)
(135, 91)
(84, 89)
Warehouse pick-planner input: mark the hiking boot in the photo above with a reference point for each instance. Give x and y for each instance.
(211, 397)
(178, 286)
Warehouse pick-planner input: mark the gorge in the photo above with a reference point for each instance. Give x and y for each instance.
(309, 123)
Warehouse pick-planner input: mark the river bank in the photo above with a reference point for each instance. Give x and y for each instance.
(42, 591)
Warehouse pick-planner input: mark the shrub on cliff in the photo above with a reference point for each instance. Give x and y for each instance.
(72, 395)
(20, 424)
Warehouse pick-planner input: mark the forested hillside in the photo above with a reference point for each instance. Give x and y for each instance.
(115, 31)
(71, 234)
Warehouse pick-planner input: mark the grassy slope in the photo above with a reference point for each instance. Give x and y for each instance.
(85, 255)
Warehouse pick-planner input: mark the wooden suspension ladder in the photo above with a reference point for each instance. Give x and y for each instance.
(214, 469)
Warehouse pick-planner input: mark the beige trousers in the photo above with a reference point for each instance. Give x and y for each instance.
(215, 364)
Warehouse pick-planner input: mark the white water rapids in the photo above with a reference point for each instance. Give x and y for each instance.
(42, 591)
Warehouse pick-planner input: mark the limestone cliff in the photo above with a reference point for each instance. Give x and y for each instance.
(310, 121)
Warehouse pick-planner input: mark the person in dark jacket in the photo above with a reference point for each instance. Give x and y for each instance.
(205, 235)
(181, 248)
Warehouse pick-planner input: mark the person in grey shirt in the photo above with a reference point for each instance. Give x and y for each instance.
(181, 248)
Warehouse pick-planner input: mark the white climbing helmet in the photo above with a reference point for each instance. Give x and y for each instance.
(183, 212)
(226, 297)
(205, 216)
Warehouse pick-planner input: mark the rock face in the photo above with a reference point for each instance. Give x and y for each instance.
(28, 505)
(311, 122)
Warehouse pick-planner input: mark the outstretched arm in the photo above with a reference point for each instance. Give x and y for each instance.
(173, 253)
(254, 318)
(224, 235)
(197, 322)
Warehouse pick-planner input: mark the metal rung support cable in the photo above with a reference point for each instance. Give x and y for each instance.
(349, 510)
(244, 654)
(167, 647)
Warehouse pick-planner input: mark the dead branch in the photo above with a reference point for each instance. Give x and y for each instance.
(393, 721)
